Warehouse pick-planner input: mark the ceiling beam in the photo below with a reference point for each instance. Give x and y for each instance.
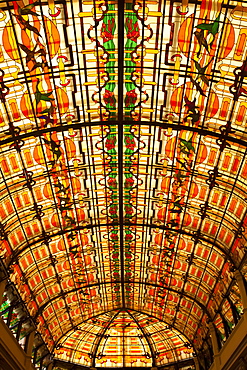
(176, 126)
(168, 325)
(101, 337)
(119, 310)
(62, 295)
(146, 337)
(56, 344)
(202, 238)
(120, 139)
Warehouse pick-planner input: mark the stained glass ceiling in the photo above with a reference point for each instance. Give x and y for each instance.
(123, 172)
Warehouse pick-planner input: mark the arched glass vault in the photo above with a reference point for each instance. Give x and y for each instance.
(123, 338)
(123, 175)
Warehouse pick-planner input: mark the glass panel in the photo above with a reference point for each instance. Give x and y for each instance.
(123, 180)
(123, 344)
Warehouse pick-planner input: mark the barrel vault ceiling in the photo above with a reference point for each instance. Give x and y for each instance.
(123, 171)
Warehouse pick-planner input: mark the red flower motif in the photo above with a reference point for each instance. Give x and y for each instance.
(133, 30)
(110, 143)
(130, 143)
(131, 97)
(129, 210)
(129, 182)
(107, 31)
(112, 182)
(114, 236)
(113, 210)
(109, 98)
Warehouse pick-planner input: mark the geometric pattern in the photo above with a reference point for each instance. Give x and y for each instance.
(123, 173)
